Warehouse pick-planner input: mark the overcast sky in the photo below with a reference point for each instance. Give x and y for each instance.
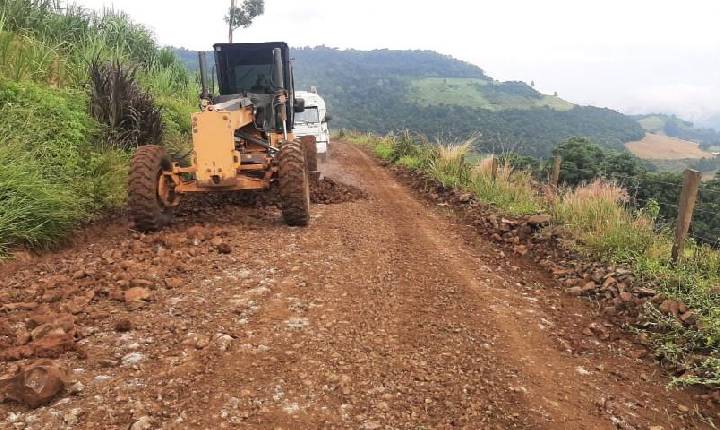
(632, 55)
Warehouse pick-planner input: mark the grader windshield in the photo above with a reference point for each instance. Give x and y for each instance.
(247, 68)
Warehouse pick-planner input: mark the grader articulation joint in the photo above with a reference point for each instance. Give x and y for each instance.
(242, 140)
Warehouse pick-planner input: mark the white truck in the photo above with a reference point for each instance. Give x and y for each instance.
(313, 121)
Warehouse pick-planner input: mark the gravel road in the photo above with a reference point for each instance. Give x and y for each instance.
(385, 313)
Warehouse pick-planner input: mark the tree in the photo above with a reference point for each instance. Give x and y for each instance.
(582, 160)
(243, 15)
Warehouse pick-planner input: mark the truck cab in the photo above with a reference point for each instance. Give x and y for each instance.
(313, 121)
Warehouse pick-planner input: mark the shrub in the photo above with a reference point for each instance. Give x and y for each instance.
(128, 112)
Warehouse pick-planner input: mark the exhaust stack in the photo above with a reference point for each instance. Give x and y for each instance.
(278, 69)
(202, 60)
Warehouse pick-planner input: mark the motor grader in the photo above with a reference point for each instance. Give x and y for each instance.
(242, 140)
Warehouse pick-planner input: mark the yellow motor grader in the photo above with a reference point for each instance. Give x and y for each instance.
(242, 140)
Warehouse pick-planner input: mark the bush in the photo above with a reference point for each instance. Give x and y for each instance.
(129, 113)
(385, 150)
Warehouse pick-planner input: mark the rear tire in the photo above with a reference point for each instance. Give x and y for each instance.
(294, 184)
(145, 207)
(310, 148)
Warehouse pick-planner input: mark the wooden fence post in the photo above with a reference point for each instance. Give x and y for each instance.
(688, 196)
(555, 175)
(494, 167)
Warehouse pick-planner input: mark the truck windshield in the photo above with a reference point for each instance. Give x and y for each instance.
(310, 114)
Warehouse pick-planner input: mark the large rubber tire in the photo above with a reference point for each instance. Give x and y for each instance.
(145, 208)
(294, 184)
(311, 154)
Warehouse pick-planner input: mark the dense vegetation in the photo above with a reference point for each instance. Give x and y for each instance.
(386, 90)
(78, 91)
(603, 220)
(673, 126)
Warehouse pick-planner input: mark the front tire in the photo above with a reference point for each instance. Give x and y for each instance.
(294, 184)
(146, 208)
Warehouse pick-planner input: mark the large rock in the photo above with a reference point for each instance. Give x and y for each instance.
(35, 385)
(59, 325)
(137, 294)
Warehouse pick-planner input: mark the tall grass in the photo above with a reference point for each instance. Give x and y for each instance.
(511, 190)
(449, 166)
(81, 36)
(35, 210)
(55, 168)
(596, 214)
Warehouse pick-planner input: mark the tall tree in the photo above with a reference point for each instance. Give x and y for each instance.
(243, 15)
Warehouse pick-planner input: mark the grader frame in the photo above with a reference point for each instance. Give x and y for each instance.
(242, 141)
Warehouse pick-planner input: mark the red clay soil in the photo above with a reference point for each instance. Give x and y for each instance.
(383, 314)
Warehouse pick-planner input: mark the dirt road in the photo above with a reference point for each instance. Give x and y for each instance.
(383, 314)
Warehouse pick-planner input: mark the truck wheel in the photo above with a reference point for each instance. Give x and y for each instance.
(151, 197)
(294, 184)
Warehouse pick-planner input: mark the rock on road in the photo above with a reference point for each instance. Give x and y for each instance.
(383, 314)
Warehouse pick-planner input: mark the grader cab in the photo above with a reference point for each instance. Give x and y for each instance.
(242, 140)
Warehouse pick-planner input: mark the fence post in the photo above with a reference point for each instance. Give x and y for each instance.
(688, 196)
(555, 175)
(494, 167)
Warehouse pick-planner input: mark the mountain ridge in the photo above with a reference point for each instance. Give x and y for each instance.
(438, 95)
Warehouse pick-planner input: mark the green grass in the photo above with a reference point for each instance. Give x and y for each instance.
(453, 91)
(511, 191)
(57, 169)
(603, 228)
(478, 93)
(35, 210)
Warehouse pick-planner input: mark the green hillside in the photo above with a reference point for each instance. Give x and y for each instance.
(387, 90)
(481, 93)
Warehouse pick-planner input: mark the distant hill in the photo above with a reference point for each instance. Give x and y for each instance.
(435, 94)
(671, 125)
